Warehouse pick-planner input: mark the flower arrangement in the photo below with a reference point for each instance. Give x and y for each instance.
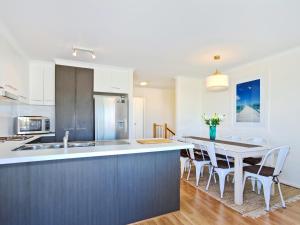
(213, 120)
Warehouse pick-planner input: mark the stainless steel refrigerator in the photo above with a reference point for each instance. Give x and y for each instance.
(111, 117)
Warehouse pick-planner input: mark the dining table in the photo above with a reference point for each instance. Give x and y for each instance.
(238, 151)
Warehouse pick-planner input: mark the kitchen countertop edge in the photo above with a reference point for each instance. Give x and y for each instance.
(7, 156)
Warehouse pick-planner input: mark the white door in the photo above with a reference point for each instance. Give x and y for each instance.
(138, 116)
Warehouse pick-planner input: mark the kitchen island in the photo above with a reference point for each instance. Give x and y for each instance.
(105, 184)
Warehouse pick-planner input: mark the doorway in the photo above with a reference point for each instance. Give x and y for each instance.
(138, 116)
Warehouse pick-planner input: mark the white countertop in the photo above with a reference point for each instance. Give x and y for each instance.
(7, 156)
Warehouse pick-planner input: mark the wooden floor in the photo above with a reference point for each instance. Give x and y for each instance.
(197, 208)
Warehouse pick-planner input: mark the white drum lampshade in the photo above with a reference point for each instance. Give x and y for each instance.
(217, 82)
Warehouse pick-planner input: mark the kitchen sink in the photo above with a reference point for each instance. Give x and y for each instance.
(112, 142)
(28, 147)
(80, 144)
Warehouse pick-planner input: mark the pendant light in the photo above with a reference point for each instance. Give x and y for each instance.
(217, 81)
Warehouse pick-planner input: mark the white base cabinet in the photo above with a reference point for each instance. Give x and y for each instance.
(41, 83)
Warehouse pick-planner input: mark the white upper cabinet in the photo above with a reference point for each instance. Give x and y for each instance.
(36, 83)
(41, 83)
(102, 80)
(112, 80)
(49, 84)
(120, 81)
(13, 70)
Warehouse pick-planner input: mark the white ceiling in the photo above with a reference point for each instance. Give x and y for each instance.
(159, 38)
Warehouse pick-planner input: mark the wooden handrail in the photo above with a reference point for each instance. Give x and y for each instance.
(162, 131)
(172, 132)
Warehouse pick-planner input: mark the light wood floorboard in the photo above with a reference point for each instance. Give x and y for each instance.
(198, 208)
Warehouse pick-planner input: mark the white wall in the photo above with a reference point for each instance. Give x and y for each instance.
(6, 119)
(189, 93)
(159, 107)
(9, 111)
(13, 63)
(280, 76)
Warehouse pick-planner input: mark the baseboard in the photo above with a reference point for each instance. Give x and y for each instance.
(289, 183)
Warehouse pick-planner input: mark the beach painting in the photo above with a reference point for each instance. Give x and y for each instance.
(248, 102)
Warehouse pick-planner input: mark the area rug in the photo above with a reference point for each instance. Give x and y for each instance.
(254, 204)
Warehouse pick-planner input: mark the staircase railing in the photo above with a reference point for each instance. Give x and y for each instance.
(162, 131)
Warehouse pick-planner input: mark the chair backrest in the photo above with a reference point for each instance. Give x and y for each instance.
(185, 140)
(256, 140)
(233, 138)
(281, 157)
(200, 146)
(210, 148)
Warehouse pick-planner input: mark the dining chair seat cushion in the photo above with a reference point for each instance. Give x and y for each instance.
(252, 161)
(266, 171)
(199, 157)
(183, 153)
(197, 151)
(220, 156)
(224, 165)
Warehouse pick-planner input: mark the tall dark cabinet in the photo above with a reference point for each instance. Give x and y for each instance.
(74, 108)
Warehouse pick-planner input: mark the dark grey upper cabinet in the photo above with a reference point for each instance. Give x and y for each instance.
(65, 101)
(74, 103)
(84, 105)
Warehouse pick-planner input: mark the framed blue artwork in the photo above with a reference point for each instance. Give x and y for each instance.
(248, 102)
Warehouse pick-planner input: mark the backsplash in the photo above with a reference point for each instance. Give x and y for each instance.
(9, 111)
(6, 119)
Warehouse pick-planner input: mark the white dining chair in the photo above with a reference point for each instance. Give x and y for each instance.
(254, 160)
(200, 159)
(233, 138)
(256, 140)
(185, 158)
(220, 167)
(268, 175)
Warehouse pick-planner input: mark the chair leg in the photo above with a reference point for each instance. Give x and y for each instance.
(198, 172)
(222, 179)
(185, 167)
(210, 174)
(182, 166)
(190, 167)
(253, 184)
(267, 184)
(215, 179)
(244, 182)
(202, 171)
(258, 186)
(281, 197)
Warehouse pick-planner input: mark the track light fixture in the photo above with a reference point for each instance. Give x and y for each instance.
(80, 49)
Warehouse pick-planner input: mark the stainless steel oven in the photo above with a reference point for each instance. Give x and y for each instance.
(32, 125)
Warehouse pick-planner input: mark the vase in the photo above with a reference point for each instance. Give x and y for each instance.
(212, 132)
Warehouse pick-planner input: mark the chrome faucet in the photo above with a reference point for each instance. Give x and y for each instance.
(66, 139)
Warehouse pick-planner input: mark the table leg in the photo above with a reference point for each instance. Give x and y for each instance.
(238, 180)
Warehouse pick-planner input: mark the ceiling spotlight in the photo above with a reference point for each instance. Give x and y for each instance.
(87, 50)
(143, 83)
